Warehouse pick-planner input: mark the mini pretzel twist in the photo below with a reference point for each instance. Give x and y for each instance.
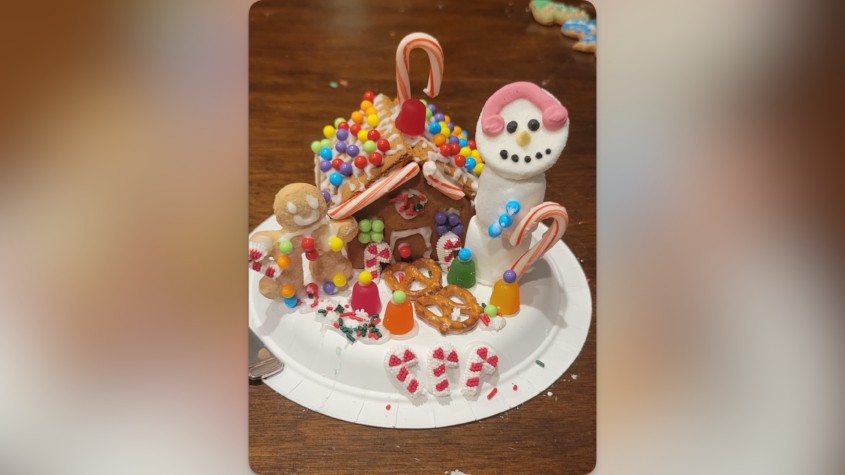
(413, 274)
(444, 302)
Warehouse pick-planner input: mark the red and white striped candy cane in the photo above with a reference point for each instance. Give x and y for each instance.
(481, 360)
(397, 362)
(374, 191)
(447, 246)
(436, 179)
(428, 44)
(440, 357)
(523, 231)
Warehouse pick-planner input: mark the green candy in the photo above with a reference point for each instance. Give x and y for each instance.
(365, 225)
(427, 114)
(399, 297)
(377, 237)
(378, 226)
(369, 146)
(316, 146)
(425, 103)
(326, 143)
(285, 246)
(338, 120)
(364, 238)
(491, 310)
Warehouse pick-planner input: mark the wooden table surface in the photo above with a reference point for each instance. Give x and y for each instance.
(295, 50)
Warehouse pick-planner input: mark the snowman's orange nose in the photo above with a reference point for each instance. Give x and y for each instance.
(523, 138)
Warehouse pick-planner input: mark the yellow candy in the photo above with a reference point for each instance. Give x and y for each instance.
(478, 168)
(444, 129)
(457, 130)
(328, 131)
(283, 261)
(372, 120)
(370, 111)
(439, 139)
(358, 117)
(466, 151)
(362, 135)
(365, 104)
(446, 118)
(339, 280)
(288, 291)
(476, 155)
(365, 277)
(336, 244)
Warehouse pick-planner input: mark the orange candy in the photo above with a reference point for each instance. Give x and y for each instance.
(439, 139)
(505, 297)
(399, 317)
(365, 104)
(283, 261)
(370, 111)
(288, 291)
(358, 117)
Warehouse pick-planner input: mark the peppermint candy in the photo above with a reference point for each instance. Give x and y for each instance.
(440, 357)
(397, 362)
(482, 360)
(375, 253)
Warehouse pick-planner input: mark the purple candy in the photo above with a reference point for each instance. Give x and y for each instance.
(329, 288)
(450, 125)
(326, 195)
(345, 169)
(454, 219)
(453, 139)
(509, 276)
(441, 229)
(440, 217)
(341, 146)
(432, 107)
(325, 165)
(438, 117)
(352, 150)
(342, 134)
(458, 229)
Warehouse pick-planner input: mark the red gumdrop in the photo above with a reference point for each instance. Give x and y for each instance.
(336, 163)
(373, 135)
(354, 129)
(383, 145)
(369, 96)
(471, 144)
(312, 255)
(360, 161)
(445, 150)
(344, 125)
(411, 118)
(307, 243)
(460, 160)
(375, 159)
(456, 148)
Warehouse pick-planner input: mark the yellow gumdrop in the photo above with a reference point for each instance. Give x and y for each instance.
(339, 280)
(365, 277)
(478, 168)
(362, 135)
(283, 262)
(328, 131)
(372, 120)
(439, 139)
(365, 104)
(476, 155)
(358, 117)
(444, 129)
(288, 291)
(466, 151)
(370, 111)
(336, 244)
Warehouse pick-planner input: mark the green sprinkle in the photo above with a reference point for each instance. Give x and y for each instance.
(350, 337)
(333, 84)
(322, 312)
(540, 364)
(340, 322)
(339, 308)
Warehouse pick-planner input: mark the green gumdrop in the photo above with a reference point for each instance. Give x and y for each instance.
(326, 143)
(377, 237)
(491, 310)
(364, 225)
(364, 238)
(378, 226)
(338, 120)
(286, 247)
(399, 297)
(316, 146)
(369, 146)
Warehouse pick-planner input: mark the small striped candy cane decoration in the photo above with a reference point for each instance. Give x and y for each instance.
(398, 362)
(447, 246)
(482, 360)
(428, 44)
(550, 237)
(440, 357)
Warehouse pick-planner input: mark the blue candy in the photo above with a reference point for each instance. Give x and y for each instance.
(434, 128)
(512, 206)
(462, 142)
(291, 301)
(494, 230)
(326, 153)
(464, 254)
(469, 164)
(505, 221)
(336, 179)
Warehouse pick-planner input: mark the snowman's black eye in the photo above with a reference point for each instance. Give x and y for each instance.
(533, 125)
(511, 127)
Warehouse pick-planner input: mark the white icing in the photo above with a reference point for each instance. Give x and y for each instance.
(312, 201)
(425, 232)
(397, 204)
(395, 150)
(291, 208)
(302, 232)
(314, 216)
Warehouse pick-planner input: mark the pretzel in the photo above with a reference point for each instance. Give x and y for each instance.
(413, 274)
(443, 301)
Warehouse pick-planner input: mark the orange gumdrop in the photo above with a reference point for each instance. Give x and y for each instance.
(399, 317)
(505, 297)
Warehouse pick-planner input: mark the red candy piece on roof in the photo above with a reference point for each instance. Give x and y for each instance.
(411, 118)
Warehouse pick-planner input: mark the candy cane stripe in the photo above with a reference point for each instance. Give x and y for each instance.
(374, 192)
(428, 44)
(547, 241)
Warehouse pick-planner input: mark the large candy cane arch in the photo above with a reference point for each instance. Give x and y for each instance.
(428, 44)
(550, 237)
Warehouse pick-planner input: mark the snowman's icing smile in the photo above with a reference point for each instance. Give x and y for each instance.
(527, 158)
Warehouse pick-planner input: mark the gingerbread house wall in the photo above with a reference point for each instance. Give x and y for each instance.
(393, 221)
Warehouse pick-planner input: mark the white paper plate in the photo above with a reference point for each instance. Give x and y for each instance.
(325, 373)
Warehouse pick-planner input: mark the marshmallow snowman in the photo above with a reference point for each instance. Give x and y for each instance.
(521, 134)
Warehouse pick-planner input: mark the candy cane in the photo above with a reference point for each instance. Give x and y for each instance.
(447, 245)
(482, 360)
(549, 239)
(375, 191)
(440, 357)
(267, 267)
(257, 251)
(375, 253)
(428, 44)
(397, 361)
(436, 179)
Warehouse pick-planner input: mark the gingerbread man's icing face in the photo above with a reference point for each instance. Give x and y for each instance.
(517, 138)
(299, 206)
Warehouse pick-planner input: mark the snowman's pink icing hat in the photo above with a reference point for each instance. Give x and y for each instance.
(492, 124)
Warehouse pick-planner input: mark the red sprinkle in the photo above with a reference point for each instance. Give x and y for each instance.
(492, 393)
(485, 319)
(387, 407)
(514, 387)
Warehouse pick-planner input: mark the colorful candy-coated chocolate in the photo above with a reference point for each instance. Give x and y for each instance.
(452, 139)
(446, 118)
(454, 219)
(512, 207)
(378, 225)
(357, 117)
(352, 150)
(340, 147)
(456, 149)
(354, 129)
(316, 146)
(470, 164)
(434, 128)
(439, 139)
(478, 168)
(458, 229)
(509, 276)
(494, 230)
(505, 297)
(445, 150)
(438, 117)
(466, 151)
(360, 161)
(370, 111)
(288, 291)
(365, 225)
(451, 127)
(427, 114)
(471, 144)
(328, 131)
(376, 158)
(373, 135)
(307, 243)
(326, 153)
(383, 144)
(337, 121)
(463, 142)
(291, 302)
(464, 254)
(373, 120)
(369, 96)
(376, 237)
(343, 125)
(326, 143)
(362, 135)
(339, 280)
(325, 165)
(283, 261)
(399, 314)
(460, 160)
(329, 288)
(336, 179)
(369, 146)
(444, 129)
(345, 169)
(326, 195)
(336, 163)
(336, 244)
(312, 255)
(432, 107)
(476, 154)
(342, 134)
(440, 217)
(285, 246)
(365, 104)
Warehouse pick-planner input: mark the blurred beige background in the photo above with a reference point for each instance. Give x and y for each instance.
(123, 201)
